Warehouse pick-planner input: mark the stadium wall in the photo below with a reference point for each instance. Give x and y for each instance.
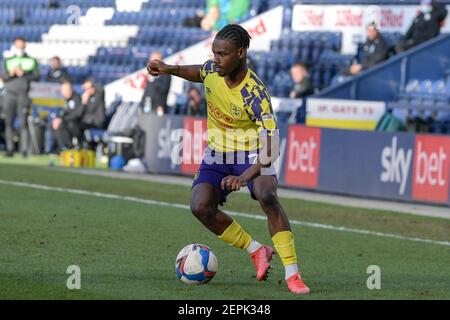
(394, 166)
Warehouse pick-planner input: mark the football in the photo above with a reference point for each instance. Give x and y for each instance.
(196, 264)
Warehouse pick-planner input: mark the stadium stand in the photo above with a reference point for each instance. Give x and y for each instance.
(312, 48)
(410, 87)
(110, 42)
(109, 39)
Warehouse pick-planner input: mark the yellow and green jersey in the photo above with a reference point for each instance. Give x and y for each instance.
(236, 116)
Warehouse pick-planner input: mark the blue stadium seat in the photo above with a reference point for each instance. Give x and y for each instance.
(447, 87)
(412, 86)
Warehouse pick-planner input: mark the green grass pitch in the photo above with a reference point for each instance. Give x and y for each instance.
(127, 250)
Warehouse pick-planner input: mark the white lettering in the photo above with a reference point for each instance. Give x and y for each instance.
(374, 280)
(396, 164)
(430, 167)
(74, 281)
(301, 155)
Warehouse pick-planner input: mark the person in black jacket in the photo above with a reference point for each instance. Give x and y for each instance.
(93, 100)
(68, 125)
(375, 51)
(19, 70)
(196, 105)
(425, 26)
(155, 94)
(302, 83)
(57, 73)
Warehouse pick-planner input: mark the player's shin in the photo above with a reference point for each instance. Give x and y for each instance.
(237, 237)
(284, 244)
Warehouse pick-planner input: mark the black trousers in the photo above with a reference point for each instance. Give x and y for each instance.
(404, 45)
(66, 132)
(16, 104)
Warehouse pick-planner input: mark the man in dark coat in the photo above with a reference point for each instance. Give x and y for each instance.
(302, 84)
(425, 26)
(57, 73)
(68, 125)
(156, 91)
(375, 50)
(93, 100)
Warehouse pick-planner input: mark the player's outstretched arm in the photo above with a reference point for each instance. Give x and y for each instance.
(190, 73)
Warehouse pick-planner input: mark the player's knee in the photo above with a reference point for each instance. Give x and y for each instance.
(202, 210)
(268, 199)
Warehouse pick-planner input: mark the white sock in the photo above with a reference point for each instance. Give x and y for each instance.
(254, 245)
(290, 270)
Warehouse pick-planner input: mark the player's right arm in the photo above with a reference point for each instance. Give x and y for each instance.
(190, 73)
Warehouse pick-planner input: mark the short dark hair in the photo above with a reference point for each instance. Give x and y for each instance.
(300, 64)
(19, 38)
(236, 34)
(65, 81)
(90, 79)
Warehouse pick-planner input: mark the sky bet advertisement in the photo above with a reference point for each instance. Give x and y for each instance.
(396, 166)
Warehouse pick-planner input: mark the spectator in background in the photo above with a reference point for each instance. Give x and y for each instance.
(302, 84)
(68, 125)
(156, 91)
(195, 21)
(425, 26)
(219, 13)
(196, 105)
(57, 73)
(53, 4)
(19, 70)
(375, 50)
(93, 101)
(2, 117)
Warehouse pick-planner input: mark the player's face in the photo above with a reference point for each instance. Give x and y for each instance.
(20, 44)
(66, 90)
(227, 56)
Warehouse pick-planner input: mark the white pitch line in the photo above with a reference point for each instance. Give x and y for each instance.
(239, 214)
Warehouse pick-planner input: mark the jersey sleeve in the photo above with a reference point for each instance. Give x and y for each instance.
(265, 120)
(259, 109)
(207, 68)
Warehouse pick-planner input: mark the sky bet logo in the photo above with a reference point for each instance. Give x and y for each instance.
(303, 155)
(396, 163)
(429, 166)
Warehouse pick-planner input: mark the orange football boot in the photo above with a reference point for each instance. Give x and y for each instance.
(295, 284)
(261, 259)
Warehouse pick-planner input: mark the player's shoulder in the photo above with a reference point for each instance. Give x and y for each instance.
(209, 67)
(255, 77)
(255, 84)
(254, 81)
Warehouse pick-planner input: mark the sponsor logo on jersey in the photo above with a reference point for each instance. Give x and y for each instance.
(268, 121)
(236, 111)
